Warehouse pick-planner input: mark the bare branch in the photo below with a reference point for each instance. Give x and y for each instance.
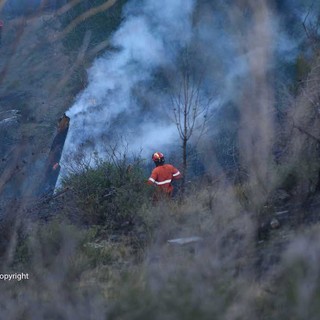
(86, 15)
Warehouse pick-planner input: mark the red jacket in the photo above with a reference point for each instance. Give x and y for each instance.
(163, 175)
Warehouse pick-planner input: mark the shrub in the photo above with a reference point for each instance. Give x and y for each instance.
(109, 194)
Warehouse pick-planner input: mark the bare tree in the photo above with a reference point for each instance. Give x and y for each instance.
(191, 108)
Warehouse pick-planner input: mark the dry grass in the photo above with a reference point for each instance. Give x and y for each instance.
(99, 267)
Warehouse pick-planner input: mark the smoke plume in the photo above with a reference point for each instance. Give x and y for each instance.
(127, 99)
(119, 103)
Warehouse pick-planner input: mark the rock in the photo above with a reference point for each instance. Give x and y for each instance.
(183, 241)
(279, 213)
(274, 223)
(9, 117)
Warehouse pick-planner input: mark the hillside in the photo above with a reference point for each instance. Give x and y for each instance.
(39, 79)
(32, 67)
(228, 92)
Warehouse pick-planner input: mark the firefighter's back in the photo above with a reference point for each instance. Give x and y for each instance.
(164, 172)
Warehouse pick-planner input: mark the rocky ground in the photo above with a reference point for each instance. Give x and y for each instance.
(35, 91)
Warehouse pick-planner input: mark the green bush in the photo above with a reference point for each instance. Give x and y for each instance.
(111, 194)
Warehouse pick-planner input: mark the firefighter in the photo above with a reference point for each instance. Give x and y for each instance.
(162, 176)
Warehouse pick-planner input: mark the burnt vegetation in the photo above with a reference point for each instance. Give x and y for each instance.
(98, 247)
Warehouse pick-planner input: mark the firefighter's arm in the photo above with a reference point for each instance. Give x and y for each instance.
(153, 178)
(176, 174)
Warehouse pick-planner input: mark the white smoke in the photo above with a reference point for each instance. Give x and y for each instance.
(122, 100)
(149, 39)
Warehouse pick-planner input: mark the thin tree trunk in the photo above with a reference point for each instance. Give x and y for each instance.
(184, 165)
(184, 142)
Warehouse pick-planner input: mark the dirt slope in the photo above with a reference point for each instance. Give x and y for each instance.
(35, 82)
